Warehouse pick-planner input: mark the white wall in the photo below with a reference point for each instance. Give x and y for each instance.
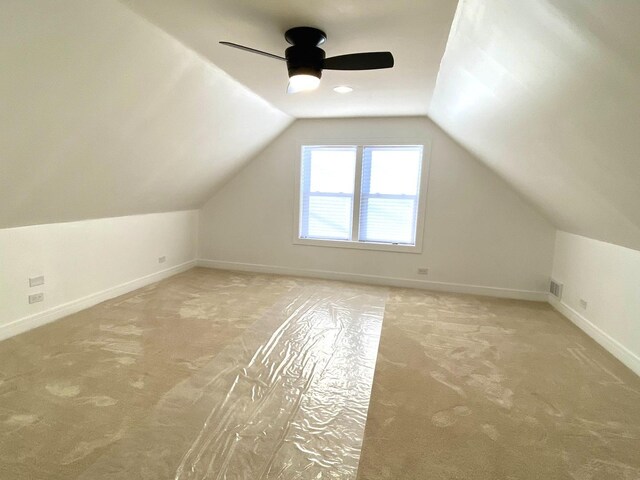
(607, 277)
(478, 231)
(87, 262)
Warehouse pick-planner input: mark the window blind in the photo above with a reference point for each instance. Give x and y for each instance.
(326, 192)
(389, 197)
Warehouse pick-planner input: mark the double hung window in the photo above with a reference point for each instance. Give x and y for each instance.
(361, 196)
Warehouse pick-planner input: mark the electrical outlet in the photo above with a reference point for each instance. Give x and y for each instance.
(423, 271)
(583, 304)
(162, 259)
(36, 297)
(36, 281)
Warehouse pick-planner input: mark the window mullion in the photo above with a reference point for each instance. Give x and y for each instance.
(355, 214)
(365, 187)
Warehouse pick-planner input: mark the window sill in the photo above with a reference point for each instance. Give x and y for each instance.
(385, 247)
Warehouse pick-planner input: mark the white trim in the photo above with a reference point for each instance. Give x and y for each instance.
(387, 247)
(36, 320)
(357, 195)
(613, 346)
(377, 280)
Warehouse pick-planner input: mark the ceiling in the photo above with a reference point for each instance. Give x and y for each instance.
(103, 114)
(121, 107)
(547, 93)
(415, 31)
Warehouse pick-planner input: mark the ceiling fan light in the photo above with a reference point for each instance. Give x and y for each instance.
(302, 83)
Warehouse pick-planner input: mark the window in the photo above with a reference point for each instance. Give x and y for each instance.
(365, 197)
(327, 178)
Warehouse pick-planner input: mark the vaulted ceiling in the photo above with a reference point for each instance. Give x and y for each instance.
(414, 31)
(120, 107)
(547, 93)
(103, 114)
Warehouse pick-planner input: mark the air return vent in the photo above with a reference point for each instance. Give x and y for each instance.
(555, 288)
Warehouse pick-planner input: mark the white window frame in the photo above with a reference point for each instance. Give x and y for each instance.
(355, 243)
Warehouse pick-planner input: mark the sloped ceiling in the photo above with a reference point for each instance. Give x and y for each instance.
(103, 114)
(106, 109)
(547, 93)
(415, 31)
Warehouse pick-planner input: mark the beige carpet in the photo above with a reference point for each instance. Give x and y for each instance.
(179, 380)
(479, 388)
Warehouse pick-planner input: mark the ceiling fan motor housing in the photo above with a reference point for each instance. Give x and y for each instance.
(305, 57)
(304, 60)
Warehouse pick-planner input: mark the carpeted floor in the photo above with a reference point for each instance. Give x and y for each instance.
(478, 388)
(213, 374)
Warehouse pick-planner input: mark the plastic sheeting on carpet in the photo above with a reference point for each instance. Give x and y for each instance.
(287, 400)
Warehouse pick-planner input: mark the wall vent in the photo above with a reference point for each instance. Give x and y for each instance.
(555, 288)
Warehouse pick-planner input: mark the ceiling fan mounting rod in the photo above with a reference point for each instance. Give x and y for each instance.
(305, 36)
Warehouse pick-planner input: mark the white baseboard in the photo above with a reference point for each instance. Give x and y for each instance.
(622, 353)
(32, 321)
(377, 280)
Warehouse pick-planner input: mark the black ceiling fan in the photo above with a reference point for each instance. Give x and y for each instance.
(306, 60)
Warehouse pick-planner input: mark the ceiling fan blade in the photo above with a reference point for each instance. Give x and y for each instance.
(253, 50)
(360, 61)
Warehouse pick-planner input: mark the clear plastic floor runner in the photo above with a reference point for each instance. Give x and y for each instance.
(287, 400)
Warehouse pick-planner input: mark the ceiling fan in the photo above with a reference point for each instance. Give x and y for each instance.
(306, 60)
